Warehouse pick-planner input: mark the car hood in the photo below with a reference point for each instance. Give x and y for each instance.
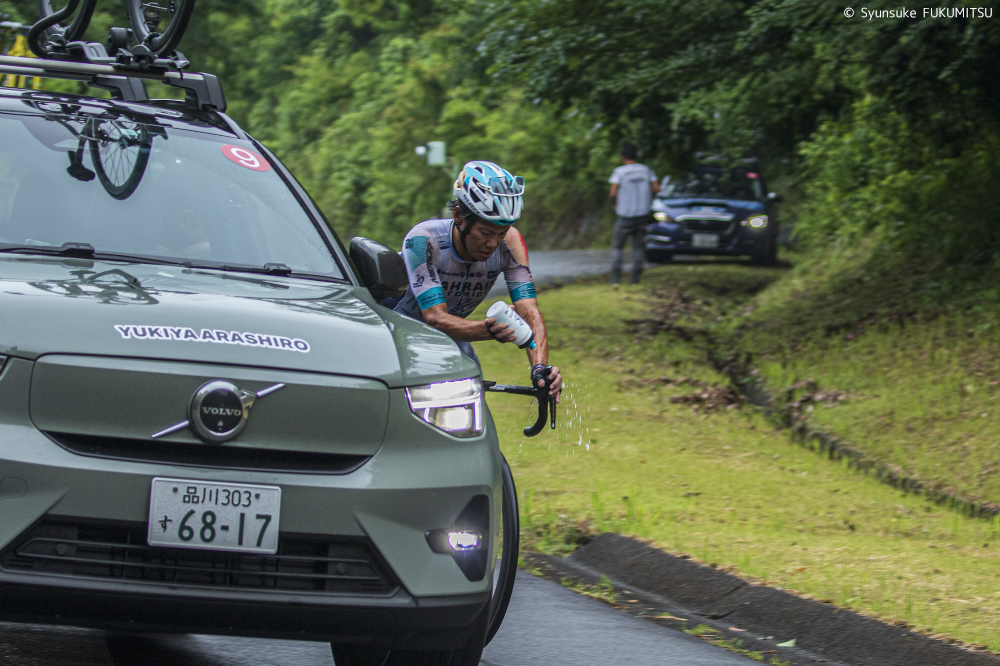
(80, 306)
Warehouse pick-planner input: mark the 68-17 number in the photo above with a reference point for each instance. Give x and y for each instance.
(208, 529)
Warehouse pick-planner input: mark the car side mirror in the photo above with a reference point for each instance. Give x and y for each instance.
(380, 269)
(774, 196)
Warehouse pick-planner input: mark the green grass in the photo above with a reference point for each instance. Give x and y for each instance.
(603, 590)
(726, 488)
(921, 369)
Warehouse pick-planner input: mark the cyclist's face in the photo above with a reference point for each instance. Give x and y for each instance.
(483, 237)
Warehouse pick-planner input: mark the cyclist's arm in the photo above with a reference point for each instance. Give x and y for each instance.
(522, 293)
(458, 328)
(528, 309)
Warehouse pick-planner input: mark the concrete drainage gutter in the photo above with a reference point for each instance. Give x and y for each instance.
(650, 582)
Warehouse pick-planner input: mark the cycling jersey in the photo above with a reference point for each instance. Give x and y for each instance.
(438, 275)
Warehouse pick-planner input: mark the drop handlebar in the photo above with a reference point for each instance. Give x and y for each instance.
(546, 404)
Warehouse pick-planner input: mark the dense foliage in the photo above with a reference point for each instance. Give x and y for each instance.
(886, 125)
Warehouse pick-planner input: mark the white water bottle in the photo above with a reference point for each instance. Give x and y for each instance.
(505, 314)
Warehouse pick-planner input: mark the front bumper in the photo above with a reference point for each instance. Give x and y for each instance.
(681, 242)
(419, 480)
(400, 621)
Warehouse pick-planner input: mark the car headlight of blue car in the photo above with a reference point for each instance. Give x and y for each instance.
(756, 222)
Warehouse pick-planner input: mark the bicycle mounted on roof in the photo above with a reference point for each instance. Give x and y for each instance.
(143, 51)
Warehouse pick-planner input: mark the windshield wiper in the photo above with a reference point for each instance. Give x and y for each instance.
(87, 251)
(267, 269)
(82, 250)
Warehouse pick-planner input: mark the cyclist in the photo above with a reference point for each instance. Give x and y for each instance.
(453, 263)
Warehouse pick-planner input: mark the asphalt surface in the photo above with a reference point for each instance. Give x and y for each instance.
(547, 267)
(549, 625)
(546, 625)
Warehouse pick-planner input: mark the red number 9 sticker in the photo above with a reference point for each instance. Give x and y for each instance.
(245, 158)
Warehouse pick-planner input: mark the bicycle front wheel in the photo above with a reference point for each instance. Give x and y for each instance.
(159, 24)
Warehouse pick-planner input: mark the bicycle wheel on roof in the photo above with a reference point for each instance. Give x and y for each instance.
(159, 24)
(71, 29)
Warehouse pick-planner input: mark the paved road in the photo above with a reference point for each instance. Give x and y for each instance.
(548, 266)
(547, 625)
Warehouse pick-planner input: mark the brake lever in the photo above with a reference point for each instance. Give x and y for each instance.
(546, 403)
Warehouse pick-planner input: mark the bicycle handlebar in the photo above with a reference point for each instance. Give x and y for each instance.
(546, 403)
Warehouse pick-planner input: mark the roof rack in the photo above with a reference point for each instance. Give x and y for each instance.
(201, 91)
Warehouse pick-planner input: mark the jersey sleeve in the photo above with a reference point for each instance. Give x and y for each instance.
(616, 177)
(520, 284)
(419, 254)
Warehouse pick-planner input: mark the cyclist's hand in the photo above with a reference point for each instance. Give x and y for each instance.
(499, 332)
(555, 382)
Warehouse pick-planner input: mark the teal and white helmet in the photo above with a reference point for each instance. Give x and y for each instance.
(490, 192)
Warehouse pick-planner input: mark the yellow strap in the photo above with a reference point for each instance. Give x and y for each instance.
(20, 48)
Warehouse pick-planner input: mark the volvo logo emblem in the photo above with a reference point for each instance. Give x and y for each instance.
(219, 411)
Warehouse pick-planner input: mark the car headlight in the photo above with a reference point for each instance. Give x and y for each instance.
(455, 407)
(757, 221)
(661, 217)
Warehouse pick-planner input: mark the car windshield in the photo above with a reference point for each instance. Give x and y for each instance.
(715, 182)
(123, 183)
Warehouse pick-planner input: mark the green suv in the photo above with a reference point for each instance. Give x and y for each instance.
(207, 422)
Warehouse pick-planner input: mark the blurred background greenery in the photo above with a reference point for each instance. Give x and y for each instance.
(881, 128)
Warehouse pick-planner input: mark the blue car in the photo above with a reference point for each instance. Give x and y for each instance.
(715, 211)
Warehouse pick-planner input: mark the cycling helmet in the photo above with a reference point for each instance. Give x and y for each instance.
(491, 192)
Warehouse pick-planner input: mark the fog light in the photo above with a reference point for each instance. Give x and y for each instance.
(467, 540)
(660, 216)
(758, 222)
(464, 541)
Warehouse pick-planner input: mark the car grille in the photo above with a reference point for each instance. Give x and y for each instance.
(94, 550)
(699, 225)
(209, 455)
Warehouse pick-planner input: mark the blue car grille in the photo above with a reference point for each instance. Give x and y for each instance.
(700, 225)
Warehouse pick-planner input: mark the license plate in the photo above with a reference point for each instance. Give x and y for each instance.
(705, 240)
(214, 516)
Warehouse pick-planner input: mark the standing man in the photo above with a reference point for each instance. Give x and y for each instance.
(633, 186)
(453, 263)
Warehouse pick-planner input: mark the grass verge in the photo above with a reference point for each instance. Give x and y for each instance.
(910, 352)
(719, 483)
